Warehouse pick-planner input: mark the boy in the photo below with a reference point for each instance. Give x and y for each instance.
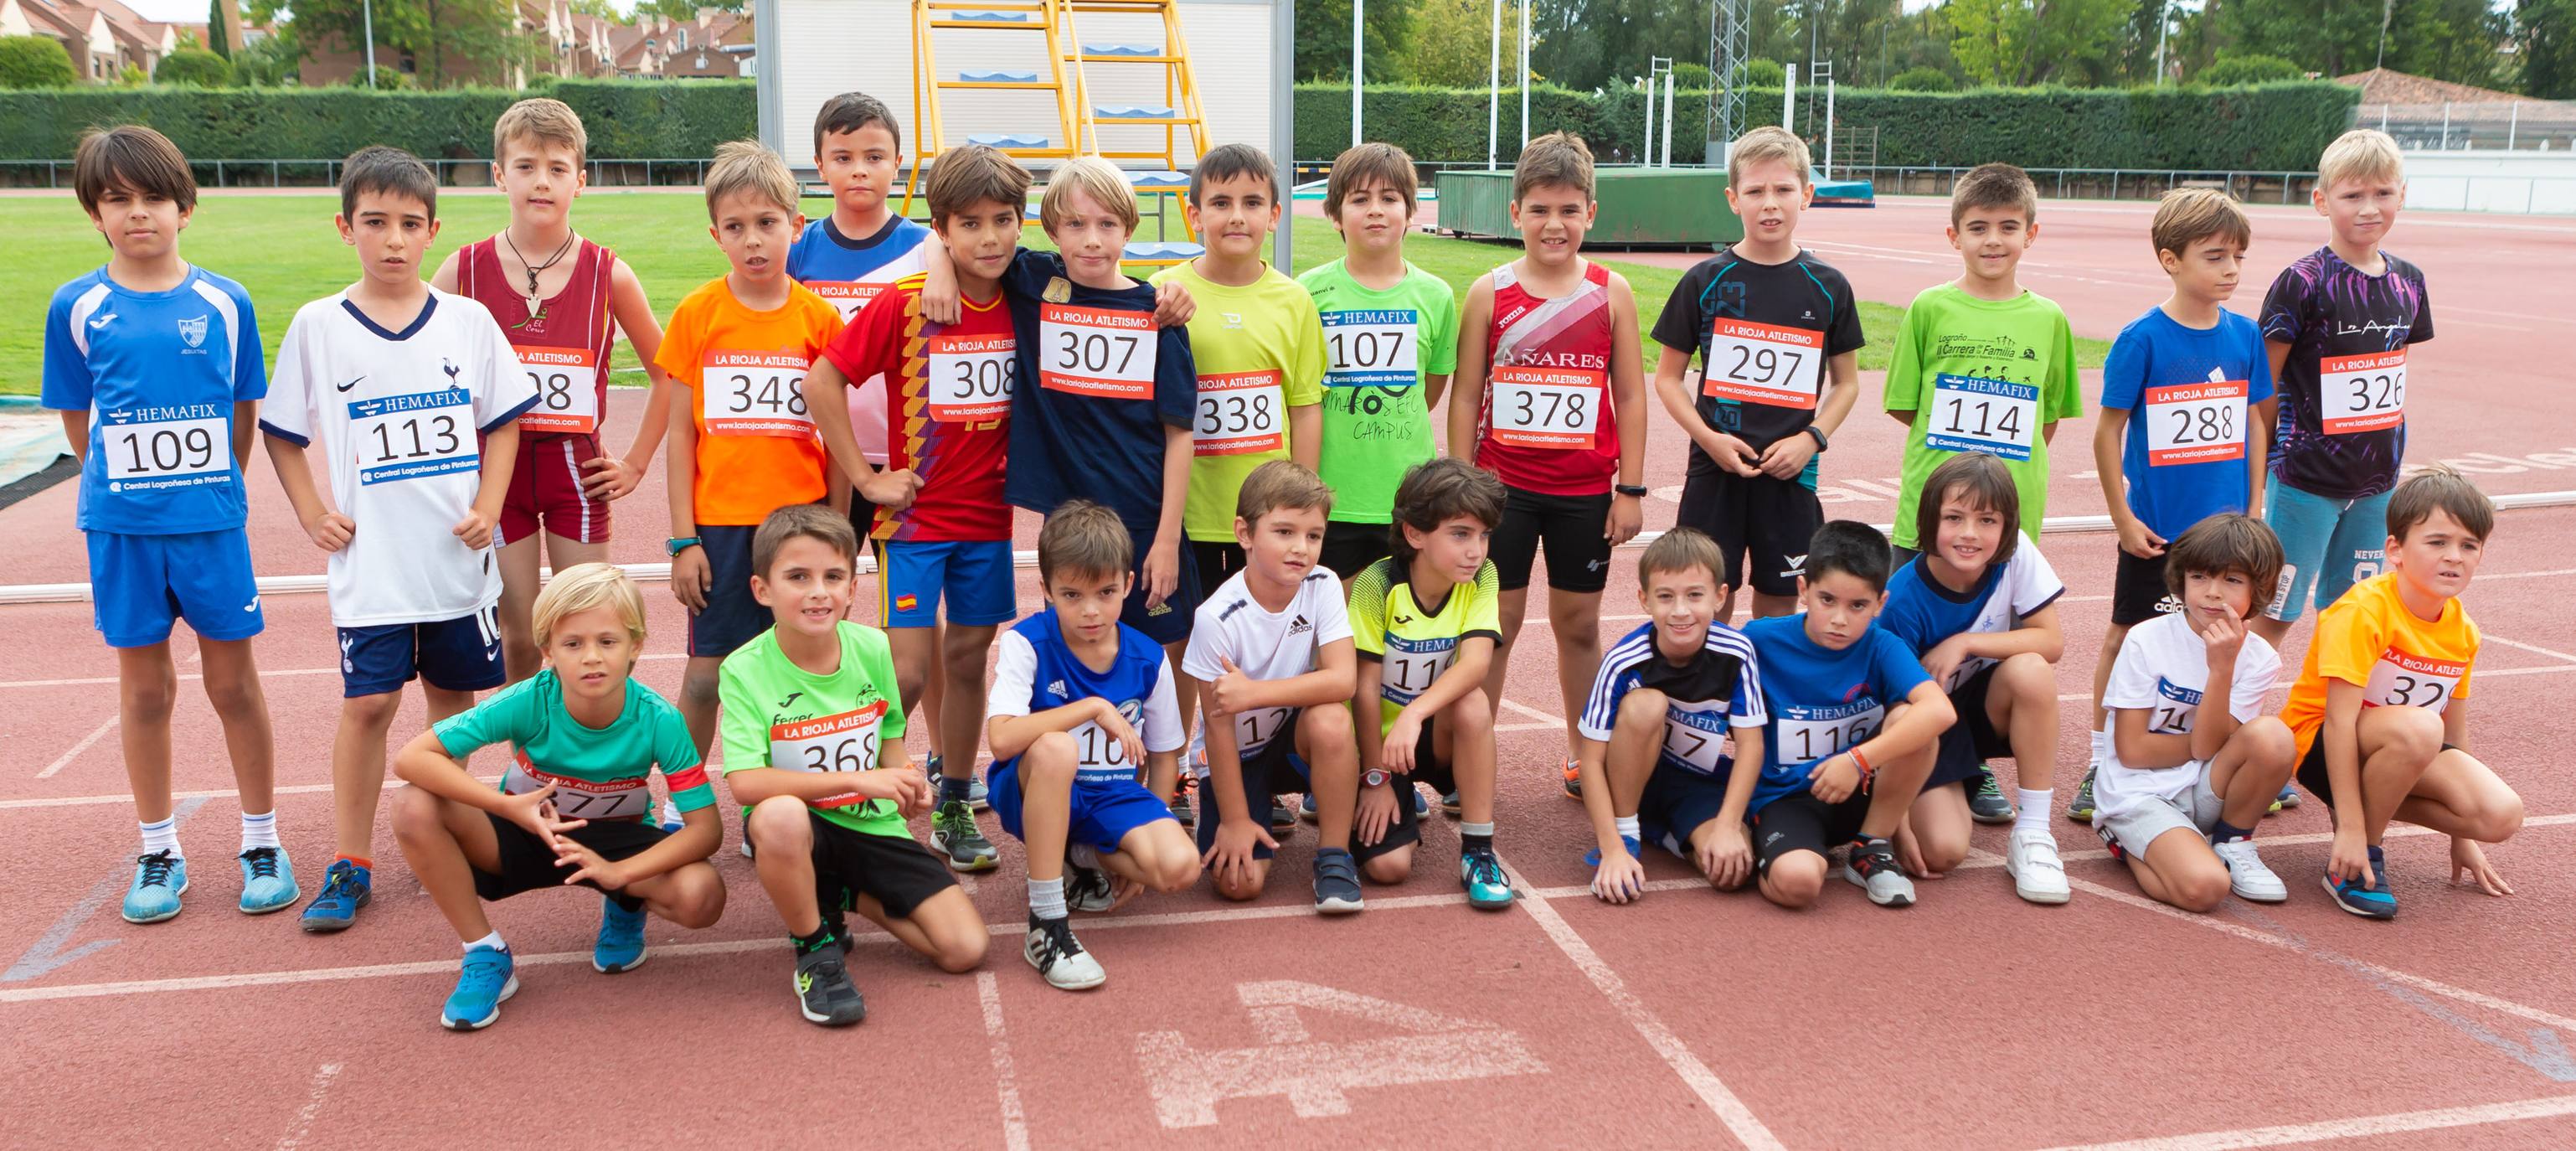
(2381, 708)
(2187, 781)
(1425, 623)
(813, 744)
(1778, 337)
(1978, 606)
(1553, 401)
(1258, 346)
(1390, 343)
(573, 805)
(1854, 724)
(1080, 702)
(1983, 365)
(1271, 657)
(1654, 730)
(414, 396)
(737, 352)
(2177, 441)
(561, 301)
(941, 526)
(2337, 326)
(159, 407)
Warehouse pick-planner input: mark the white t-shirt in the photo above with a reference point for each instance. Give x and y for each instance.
(1266, 645)
(1139, 683)
(396, 418)
(2162, 667)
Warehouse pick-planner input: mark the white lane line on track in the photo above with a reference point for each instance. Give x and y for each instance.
(2359, 1127)
(77, 749)
(265, 673)
(1006, 1081)
(312, 1107)
(2535, 649)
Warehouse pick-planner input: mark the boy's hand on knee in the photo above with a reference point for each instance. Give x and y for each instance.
(1231, 858)
(1909, 854)
(1376, 813)
(1727, 857)
(1834, 778)
(588, 865)
(1945, 658)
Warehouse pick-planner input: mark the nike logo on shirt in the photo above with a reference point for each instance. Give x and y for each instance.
(350, 384)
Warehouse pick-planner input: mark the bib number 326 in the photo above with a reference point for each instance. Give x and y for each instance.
(2363, 393)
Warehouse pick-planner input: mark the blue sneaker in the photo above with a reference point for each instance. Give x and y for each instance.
(346, 887)
(1481, 873)
(2374, 902)
(268, 881)
(620, 946)
(1592, 858)
(490, 976)
(2288, 798)
(978, 796)
(159, 880)
(1450, 804)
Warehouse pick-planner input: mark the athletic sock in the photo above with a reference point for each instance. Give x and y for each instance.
(2227, 832)
(955, 790)
(492, 940)
(1046, 898)
(259, 830)
(2102, 737)
(2034, 807)
(1627, 825)
(1475, 837)
(162, 835)
(818, 939)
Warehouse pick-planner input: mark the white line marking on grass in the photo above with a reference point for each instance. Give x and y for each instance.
(1703, 1082)
(312, 1106)
(2355, 1128)
(1006, 1082)
(77, 748)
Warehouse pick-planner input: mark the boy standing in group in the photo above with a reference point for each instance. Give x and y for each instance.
(156, 368)
(1778, 337)
(2338, 326)
(737, 352)
(414, 397)
(560, 300)
(1390, 343)
(1552, 399)
(942, 529)
(2177, 442)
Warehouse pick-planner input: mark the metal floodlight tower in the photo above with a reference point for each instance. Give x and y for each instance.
(1729, 45)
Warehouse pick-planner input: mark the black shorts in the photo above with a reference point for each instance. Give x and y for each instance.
(898, 873)
(1578, 555)
(1676, 803)
(527, 864)
(1216, 560)
(2312, 770)
(1799, 821)
(1767, 520)
(732, 617)
(1350, 548)
(1972, 738)
(1277, 769)
(2138, 591)
(1169, 622)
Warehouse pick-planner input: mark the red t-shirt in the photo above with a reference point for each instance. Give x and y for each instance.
(948, 401)
(563, 345)
(1546, 425)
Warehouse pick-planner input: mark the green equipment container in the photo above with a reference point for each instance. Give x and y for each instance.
(1681, 206)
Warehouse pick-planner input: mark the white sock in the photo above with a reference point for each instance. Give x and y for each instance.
(493, 941)
(2034, 808)
(259, 830)
(1627, 825)
(2101, 744)
(162, 836)
(1046, 898)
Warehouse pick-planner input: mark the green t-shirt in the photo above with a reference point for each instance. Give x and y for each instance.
(1981, 376)
(777, 714)
(1259, 353)
(598, 772)
(1378, 346)
(1414, 643)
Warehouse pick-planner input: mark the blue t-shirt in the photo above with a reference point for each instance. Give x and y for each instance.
(1088, 412)
(849, 272)
(1922, 612)
(1822, 701)
(1035, 671)
(2188, 392)
(1718, 688)
(160, 373)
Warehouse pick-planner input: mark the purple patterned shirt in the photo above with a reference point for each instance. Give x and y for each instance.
(2340, 436)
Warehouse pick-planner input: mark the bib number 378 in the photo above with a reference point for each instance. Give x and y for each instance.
(1548, 407)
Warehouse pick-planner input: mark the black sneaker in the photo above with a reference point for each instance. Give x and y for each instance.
(1337, 882)
(1088, 889)
(1986, 802)
(1872, 866)
(1052, 949)
(1283, 816)
(953, 832)
(1181, 808)
(824, 992)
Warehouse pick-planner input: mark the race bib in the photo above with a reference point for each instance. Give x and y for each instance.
(581, 798)
(2174, 709)
(1408, 667)
(1239, 414)
(1548, 407)
(2365, 393)
(1253, 730)
(1969, 414)
(1763, 364)
(146, 448)
(1695, 735)
(846, 298)
(1808, 734)
(2196, 423)
(2401, 679)
(755, 394)
(1102, 758)
(1096, 352)
(1370, 349)
(567, 386)
(844, 742)
(408, 437)
(971, 377)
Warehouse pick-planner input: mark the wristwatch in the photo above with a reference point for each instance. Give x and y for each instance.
(1637, 490)
(1819, 433)
(1375, 777)
(679, 544)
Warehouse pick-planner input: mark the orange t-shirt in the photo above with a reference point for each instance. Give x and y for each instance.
(2398, 658)
(757, 451)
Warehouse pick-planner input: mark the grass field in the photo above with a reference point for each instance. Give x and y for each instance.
(284, 250)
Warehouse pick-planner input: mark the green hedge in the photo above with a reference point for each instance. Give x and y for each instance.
(2279, 127)
(626, 119)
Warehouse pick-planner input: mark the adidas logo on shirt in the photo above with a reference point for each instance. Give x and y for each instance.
(2168, 606)
(1299, 626)
(1056, 688)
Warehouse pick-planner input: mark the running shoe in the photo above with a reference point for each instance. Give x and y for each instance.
(1283, 816)
(1052, 949)
(2038, 875)
(1088, 889)
(346, 887)
(1449, 806)
(1481, 873)
(1986, 802)
(1592, 858)
(620, 945)
(2374, 902)
(159, 880)
(1573, 779)
(2246, 875)
(978, 796)
(1306, 808)
(1337, 882)
(268, 881)
(824, 993)
(1181, 805)
(489, 977)
(1421, 805)
(953, 832)
(2081, 811)
(2288, 798)
(1872, 867)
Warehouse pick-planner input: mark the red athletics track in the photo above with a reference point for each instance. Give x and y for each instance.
(1971, 1020)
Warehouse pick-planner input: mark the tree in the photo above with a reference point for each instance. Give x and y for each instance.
(35, 62)
(2024, 42)
(266, 62)
(454, 41)
(1324, 40)
(1923, 80)
(684, 10)
(1759, 74)
(2546, 39)
(216, 37)
(2247, 68)
(1451, 43)
(2445, 39)
(194, 66)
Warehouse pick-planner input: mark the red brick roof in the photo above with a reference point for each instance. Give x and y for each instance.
(2382, 86)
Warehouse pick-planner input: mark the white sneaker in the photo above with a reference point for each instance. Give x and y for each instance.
(2246, 875)
(2038, 875)
(1052, 949)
